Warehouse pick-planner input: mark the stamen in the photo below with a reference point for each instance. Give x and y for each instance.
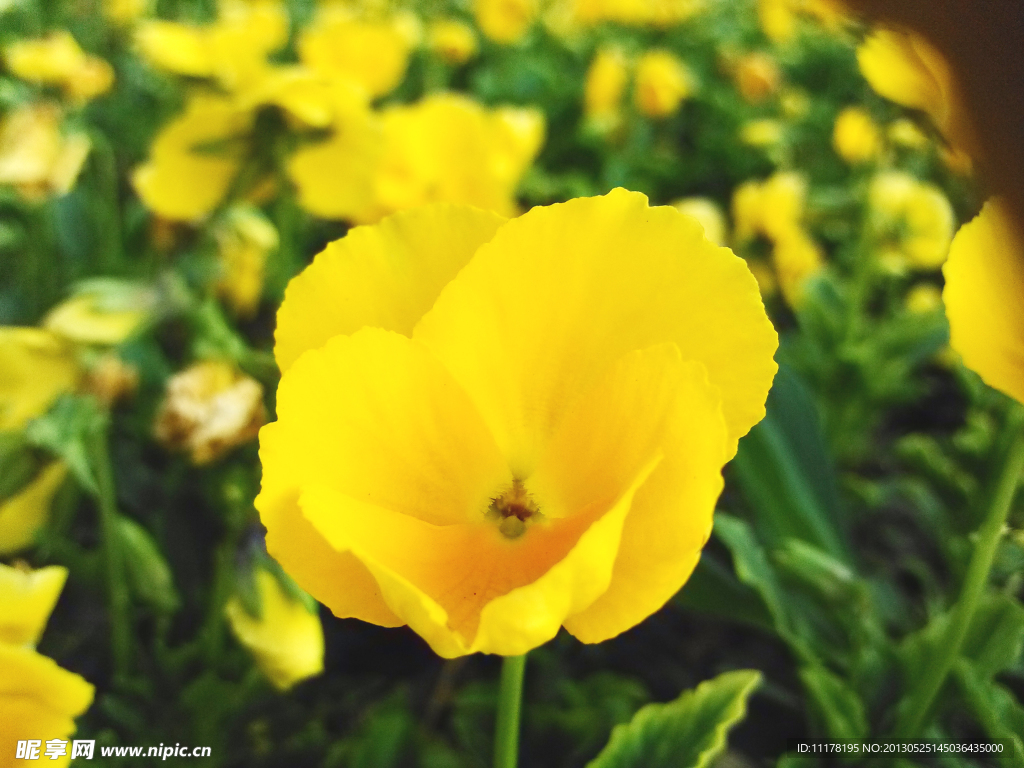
(512, 509)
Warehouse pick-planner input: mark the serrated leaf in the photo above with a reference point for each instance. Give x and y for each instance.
(689, 732)
(999, 713)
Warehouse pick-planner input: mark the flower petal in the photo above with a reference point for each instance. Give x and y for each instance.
(374, 416)
(560, 293)
(387, 275)
(670, 518)
(22, 515)
(984, 282)
(26, 600)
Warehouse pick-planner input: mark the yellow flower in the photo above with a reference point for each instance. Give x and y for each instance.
(245, 239)
(58, 60)
(765, 132)
(907, 69)
(505, 21)
(757, 76)
(100, 313)
(24, 513)
(210, 408)
(770, 208)
(445, 148)
(605, 85)
(796, 257)
(36, 367)
(905, 133)
(488, 429)
(779, 19)
(372, 54)
(709, 215)
(923, 299)
(27, 599)
(194, 159)
(984, 284)
(855, 136)
(124, 12)
(656, 13)
(662, 82)
(453, 41)
(913, 221)
(35, 156)
(38, 699)
(232, 50)
(286, 640)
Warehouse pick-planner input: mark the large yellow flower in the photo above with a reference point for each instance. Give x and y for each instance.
(984, 285)
(38, 699)
(286, 640)
(489, 429)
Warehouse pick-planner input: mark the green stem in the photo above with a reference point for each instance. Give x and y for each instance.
(510, 699)
(117, 585)
(912, 718)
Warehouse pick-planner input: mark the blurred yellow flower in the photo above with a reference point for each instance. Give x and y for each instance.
(757, 76)
(907, 69)
(765, 132)
(233, 49)
(505, 21)
(656, 13)
(38, 699)
(453, 41)
(905, 133)
(36, 156)
(662, 82)
(245, 239)
(57, 59)
(707, 212)
(27, 599)
(445, 148)
(796, 257)
(912, 220)
(208, 409)
(774, 209)
(194, 159)
(855, 136)
(286, 640)
(24, 513)
(984, 284)
(124, 12)
(780, 19)
(36, 367)
(923, 299)
(100, 313)
(607, 78)
(372, 54)
(488, 430)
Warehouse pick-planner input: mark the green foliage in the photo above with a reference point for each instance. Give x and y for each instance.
(689, 732)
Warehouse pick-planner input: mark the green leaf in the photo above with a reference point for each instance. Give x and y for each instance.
(715, 590)
(784, 471)
(689, 732)
(149, 576)
(838, 706)
(999, 713)
(754, 569)
(809, 565)
(65, 431)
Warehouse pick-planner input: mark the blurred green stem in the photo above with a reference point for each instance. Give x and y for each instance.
(947, 650)
(117, 584)
(510, 699)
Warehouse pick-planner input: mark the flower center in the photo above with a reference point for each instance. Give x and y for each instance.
(512, 509)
